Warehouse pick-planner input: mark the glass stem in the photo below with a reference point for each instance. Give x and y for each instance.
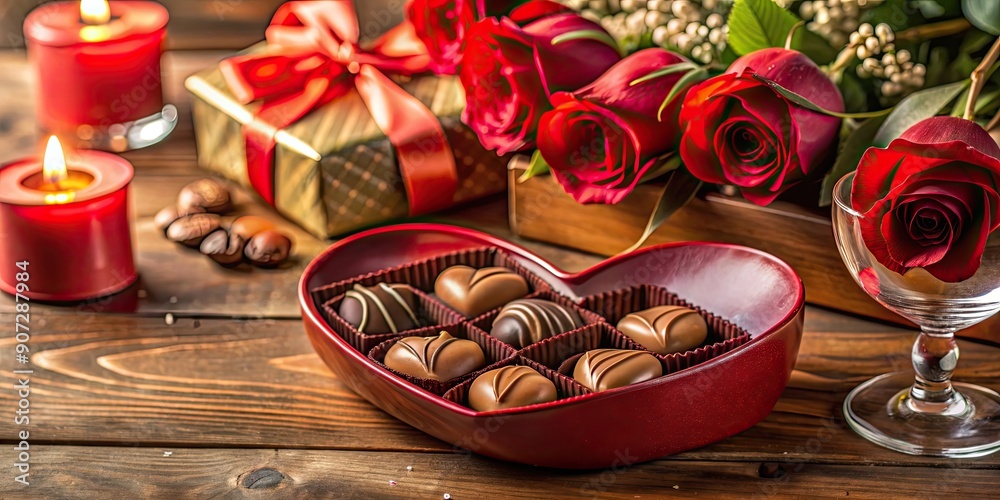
(935, 356)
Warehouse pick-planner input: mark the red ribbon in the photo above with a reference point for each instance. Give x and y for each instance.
(313, 57)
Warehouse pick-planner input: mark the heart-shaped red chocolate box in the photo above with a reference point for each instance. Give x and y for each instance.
(687, 409)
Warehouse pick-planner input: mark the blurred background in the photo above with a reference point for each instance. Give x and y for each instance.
(194, 24)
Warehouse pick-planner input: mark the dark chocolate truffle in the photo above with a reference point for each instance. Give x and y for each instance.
(526, 321)
(603, 369)
(510, 387)
(473, 291)
(440, 357)
(665, 329)
(380, 309)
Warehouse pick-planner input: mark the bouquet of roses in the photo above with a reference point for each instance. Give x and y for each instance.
(737, 93)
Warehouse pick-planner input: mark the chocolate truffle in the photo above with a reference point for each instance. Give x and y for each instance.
(665, 329)
(603, 369)
(380, 309)
(526, 321)
(440, 357)
(510, 387)
(473, 291)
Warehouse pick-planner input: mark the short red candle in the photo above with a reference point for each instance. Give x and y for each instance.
(77, 241)
(95, 74)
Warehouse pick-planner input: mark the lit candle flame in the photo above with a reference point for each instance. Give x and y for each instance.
(95, 11)
(54, 163)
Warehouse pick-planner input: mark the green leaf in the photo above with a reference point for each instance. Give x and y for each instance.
(806, 103)
(759, 24)
(690, 78)
(855, 96)
(851, 151)
(674, 68)
(538, 166)
(983, 14)
(678, 191)
(598, 36)
(916, 107)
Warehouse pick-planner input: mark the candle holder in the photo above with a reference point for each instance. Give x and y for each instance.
(70, 223)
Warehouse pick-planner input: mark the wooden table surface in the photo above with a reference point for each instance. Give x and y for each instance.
(230, 400)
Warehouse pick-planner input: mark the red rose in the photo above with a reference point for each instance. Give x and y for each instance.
(443, 24)
(601, 139)
(511, 67)
(930, 199)
(740, 131)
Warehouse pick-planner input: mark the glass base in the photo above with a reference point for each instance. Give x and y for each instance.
(882, 411)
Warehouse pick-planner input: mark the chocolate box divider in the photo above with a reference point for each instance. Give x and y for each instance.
(421, 274)
(436, 315)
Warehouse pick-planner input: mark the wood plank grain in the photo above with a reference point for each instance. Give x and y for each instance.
(102, 379)
(102, 472)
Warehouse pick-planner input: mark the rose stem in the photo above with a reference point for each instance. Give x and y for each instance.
(933, 30)
(978, 77)
(791, 32)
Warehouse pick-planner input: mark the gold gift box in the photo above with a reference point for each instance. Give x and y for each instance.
(335, 170)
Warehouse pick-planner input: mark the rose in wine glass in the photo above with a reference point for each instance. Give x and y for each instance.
(916, 227)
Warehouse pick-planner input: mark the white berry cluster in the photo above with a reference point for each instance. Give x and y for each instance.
(834, 19)
(695, 28)
(880, 60)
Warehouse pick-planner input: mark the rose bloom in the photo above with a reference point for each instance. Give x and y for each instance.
(511, 68)
(601, 139)
(740, 131)
(443, 24)
(930, 199)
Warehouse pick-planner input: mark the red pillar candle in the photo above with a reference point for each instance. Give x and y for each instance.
(95, 65)
(69, 222)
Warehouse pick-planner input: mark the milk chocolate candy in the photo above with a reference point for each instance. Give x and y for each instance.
(665, 329)
(603, 369)
(383, 308)
(510, 387)
(441, 357)
(526, 321)
(473, 291)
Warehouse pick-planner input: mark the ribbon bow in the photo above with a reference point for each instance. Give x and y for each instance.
(313, 57)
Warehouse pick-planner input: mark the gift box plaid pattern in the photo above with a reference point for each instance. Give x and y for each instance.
(356, 183)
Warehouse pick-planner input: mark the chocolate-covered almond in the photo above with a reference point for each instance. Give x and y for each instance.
(472, 291)
(223, 249)
(268, 248)
(192, 229)
(510, 387)
(165, 217)
(526, 321)
(665, 329)
(204, 195)
(440, 357)
(603, 369)
(383, 308)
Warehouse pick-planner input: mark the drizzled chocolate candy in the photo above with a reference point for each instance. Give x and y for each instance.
(526, 321)
(510, 387)
(603, 369)
(473, 291)
(383, 308)
(665, 329)
(437, 358)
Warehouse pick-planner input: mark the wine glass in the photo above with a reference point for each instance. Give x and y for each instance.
(922, 412)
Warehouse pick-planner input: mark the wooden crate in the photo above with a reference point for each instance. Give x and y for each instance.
(541, 210)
